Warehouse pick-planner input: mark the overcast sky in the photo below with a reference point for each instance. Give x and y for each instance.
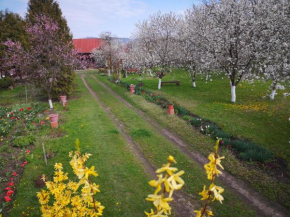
(88, 18)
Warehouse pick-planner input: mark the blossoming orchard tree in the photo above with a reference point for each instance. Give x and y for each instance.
(46, 57)
(15, 60)
(196, 54)
(158, 39)
(109, 53)
(274, 56)
(47, 54)
(233, 36)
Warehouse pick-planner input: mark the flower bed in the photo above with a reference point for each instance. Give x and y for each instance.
(17, 125)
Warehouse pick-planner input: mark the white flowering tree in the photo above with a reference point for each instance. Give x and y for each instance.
(110, 52)
(274, 55)
(158, 38)
(197, 53)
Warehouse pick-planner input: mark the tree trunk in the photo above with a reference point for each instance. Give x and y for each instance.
(193, 80)
(109, 72)
(140, 78)
(159, 84)
(13, 81)
(274, 84)
(233, 93)
(50, 104)
(272, 96)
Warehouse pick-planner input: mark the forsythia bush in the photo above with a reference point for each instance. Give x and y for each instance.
(71, 199)
(168, 181)
(213, 192)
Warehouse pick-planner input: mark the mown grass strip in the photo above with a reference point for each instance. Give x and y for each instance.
(123, 182)
(156, 148)
(266, 184)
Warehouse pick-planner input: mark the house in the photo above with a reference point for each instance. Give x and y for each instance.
(85, 47)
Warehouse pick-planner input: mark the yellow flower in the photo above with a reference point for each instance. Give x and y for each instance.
(204, 193)
(198, 213)
(58, 166)
(217, 192)
(160, 202)
(175, 182)
(43, 197)
(157, 184)
(90, 171)
(167, 168)
(171, 159)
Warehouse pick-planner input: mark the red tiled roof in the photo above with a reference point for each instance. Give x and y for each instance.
(86, 45)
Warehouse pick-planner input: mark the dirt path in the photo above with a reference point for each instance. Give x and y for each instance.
(183, 205)
(262, 205)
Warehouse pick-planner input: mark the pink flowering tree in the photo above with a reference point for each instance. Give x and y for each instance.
(48, 54)
(15, 60)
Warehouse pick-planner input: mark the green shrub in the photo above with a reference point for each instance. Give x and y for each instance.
(5, 82)
(24, 141)
(210, 128)
(221, 134)
(260, 155)
(251, 152)
(196, 122)
(182, 111)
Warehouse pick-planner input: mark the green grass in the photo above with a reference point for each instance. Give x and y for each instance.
(123, 182)
(263, 181)
(261, 120)
(9, 97)
(156, 149)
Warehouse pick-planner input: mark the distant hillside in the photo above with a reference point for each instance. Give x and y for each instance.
(124, 40)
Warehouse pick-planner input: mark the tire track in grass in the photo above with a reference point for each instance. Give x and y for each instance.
(255, 200)
(156, 147)
(182, 204)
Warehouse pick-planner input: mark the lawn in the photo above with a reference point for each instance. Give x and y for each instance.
(122, 178)
(269, 181)
(252, 117)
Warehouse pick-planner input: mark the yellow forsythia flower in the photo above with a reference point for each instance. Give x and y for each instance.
(67, 200)
(168, 181)
(213, 192)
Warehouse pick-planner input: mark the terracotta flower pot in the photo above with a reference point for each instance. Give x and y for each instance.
(170, 109)
(132, 89)
(54, 124)
(53, 118)
(63, 98)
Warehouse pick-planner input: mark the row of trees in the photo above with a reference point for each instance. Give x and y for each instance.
(244, 39)
(39, 48)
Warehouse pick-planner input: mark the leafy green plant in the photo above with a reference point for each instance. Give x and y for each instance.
(221, 134)
(182, 111)
(186, 117)
(24, 141)
(5, 82)
(196, 122)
